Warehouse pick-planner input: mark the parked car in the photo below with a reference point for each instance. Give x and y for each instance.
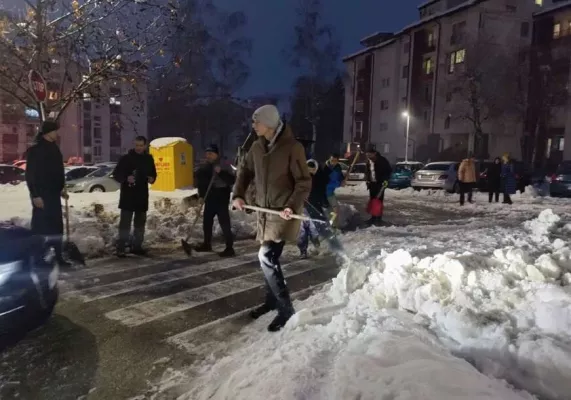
(100, 180)
(28, 282)
(110, 164)
(78, 172)
(437, 175)
(560, 185)
(11, 175)
(403, 173)
(358, 173)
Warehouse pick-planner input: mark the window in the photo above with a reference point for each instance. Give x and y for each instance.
(97, 132)
(386, 148)
(524, 30)
(448, 97)
(405, 72)
(53, 95)
(427, 93)
(358, 129)
(385, 82)
(539, 2)
(556, 30)
(430, 40)
(458, 33)
(428, 66)
(447, 122)
(384, 104)
(425, 115)
(384, 127)
(97, 119)
(456, 57)
(97, 152)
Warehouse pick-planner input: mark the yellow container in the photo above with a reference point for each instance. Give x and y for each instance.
(174, 163)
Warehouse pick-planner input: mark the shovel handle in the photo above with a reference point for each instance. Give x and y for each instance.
(275, 212)
(66, 217)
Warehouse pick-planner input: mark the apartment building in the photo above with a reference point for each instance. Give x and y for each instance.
(99, 127)
(412, 72)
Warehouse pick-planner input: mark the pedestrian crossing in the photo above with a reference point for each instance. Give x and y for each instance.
(174, 295)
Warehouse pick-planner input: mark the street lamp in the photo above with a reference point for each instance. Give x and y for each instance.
(406, 115)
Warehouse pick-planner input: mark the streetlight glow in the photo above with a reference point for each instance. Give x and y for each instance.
(405, 114)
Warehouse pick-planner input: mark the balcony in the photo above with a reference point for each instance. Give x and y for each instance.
(359, 106)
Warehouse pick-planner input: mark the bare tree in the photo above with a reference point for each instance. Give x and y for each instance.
(480, 86)
(315, 53)
(78, 44)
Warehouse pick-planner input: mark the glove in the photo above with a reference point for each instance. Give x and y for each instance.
(385, 184)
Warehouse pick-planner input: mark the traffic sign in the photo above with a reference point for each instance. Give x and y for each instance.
(37, 86)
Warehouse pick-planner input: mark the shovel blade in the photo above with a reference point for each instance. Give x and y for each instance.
(73, 253)
(186, 247)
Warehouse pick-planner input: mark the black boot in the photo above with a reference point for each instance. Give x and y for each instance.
(261, 310)
(228, 252)
(62, 262)
(203, 248)
(139, 251)
(279, 322)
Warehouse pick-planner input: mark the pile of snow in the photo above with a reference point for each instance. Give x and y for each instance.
(94, 218)
(166, 141)
(453, 325)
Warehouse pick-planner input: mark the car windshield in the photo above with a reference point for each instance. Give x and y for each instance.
(437, 167)
(101, 172)
(403, 168)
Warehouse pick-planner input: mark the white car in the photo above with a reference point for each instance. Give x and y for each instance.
(437, 175)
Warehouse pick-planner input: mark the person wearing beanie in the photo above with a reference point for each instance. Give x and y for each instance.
(216, 201)
(276, 164)
(377, 175)
(45, 178)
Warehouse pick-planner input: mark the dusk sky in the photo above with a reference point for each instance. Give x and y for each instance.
(271, 26)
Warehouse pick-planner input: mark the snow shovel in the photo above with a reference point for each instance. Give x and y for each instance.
(185, 242)
(293, 216)
(69, 247)
(327, 231)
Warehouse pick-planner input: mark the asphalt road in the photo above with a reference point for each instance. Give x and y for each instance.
(116, 322)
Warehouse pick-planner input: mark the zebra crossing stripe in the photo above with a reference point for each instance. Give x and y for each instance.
(142, 313)
(184, 339)
(130, 285)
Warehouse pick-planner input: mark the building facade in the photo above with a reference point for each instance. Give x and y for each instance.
(416, 72)
(98, 127)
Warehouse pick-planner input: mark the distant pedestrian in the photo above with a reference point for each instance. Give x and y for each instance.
(336, 180)
(377, 176)
(45, 178)
(315, 207)
(217, 201)
(467, 178)
(508, 179)
(276, 163)
(494, 175)
(134, 171)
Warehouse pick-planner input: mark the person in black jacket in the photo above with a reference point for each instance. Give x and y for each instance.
(45, 178)
(494, 174)
(134, 171)
(217, 201)
(315, 206)
(377, 176)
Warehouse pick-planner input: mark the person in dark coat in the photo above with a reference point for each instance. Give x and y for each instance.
(45, 178)
(315, 206)
(134, 171)
(508, 179)
(217, 202)
(377, 176)
(494, 175)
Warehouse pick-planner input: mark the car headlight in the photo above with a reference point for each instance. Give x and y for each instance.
(9, 269)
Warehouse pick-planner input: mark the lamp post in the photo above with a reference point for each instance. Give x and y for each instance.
(406, 115)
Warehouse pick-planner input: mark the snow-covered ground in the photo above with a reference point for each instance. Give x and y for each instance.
(480, 311)
(94, 218)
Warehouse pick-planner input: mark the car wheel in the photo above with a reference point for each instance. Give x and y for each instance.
(455, 188)
(97, 189)
(416, 188)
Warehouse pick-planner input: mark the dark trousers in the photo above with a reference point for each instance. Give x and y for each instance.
(494, 194)
(217, 205)
(277, 293)
(48, 221)
(127, 218)
(465, 188)
(507, 199)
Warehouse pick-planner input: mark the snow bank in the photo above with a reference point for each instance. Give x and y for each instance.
(165, 141)
(94, 218)
(417, 328)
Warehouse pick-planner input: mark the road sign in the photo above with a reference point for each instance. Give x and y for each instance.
(37, 86)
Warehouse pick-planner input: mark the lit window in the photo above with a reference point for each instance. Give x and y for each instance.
(539, 2)
(428, 66)
(53, 95)
(460, 56)
(556, 30)
(430, 39)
